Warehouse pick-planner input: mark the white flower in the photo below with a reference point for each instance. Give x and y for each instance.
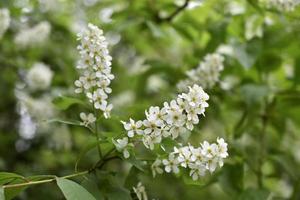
(87, 119)
(222, 148)
(94, 66)
(284, 5)
(197, 170)
(151, 128)
(156, 167)
(106, 108)
(133, 127)
(39, 77)
(33, 36)
(209, 150)
(212, 164)
(184, 157)
(150, 140)
(122, 146)
(140, 192)
(171, 164)
(207, 74)
(155, 115)
(4, 21)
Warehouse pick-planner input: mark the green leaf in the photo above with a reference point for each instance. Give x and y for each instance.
(73, 191)
(90, 184)
(136, 163)
(116, 193)
(6, 177)
(254, 94)
(10, 193)
(64, 103)
(84, 151)
(202, 181)
(2, 197)
(73, 122)
(254, 194)
(231, 179)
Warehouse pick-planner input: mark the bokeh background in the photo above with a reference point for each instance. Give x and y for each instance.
(255, 105)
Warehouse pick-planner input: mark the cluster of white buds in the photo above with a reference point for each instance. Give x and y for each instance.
(198, 160)
(140, 191)
(34, 36)
(207, 73)
(284, 5)
(4, 21)
(172, 119)
(95, 68)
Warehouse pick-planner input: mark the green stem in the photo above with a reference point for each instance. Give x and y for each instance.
(99, 165)
(43, 181)
(97, 134)
(263, 141)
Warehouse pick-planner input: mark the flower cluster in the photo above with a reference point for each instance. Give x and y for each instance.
(4, 21)
(39, 76)
(172, 119)
(206, 74)
(33, 36)
(198, 160)
(95, 69)
(284, 5)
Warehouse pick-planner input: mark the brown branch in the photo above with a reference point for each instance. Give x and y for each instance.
(173, 14)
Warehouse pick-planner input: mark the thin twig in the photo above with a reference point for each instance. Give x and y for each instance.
(175, 13)
(97, 134)
(98, 165)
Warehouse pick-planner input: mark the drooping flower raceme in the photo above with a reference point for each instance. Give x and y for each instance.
(207, 73)
(4, 21)
(33, 36)
(198, 160)
(94, 66)
(173, 118)
(39, 76)
(284, 5)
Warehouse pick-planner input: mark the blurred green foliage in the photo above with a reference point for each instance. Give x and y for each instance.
(258, 115)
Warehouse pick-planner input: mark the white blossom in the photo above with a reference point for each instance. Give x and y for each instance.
(198, 160)
(87, 119)
(34, 36)
(207, 74)
(94, 66)
(133, 127)
(173, 118)
(39, 77)
(171, 164)
(122, 146)
(4, 21)
(140, 191)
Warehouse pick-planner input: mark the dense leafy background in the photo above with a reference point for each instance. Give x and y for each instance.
(259, 115)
